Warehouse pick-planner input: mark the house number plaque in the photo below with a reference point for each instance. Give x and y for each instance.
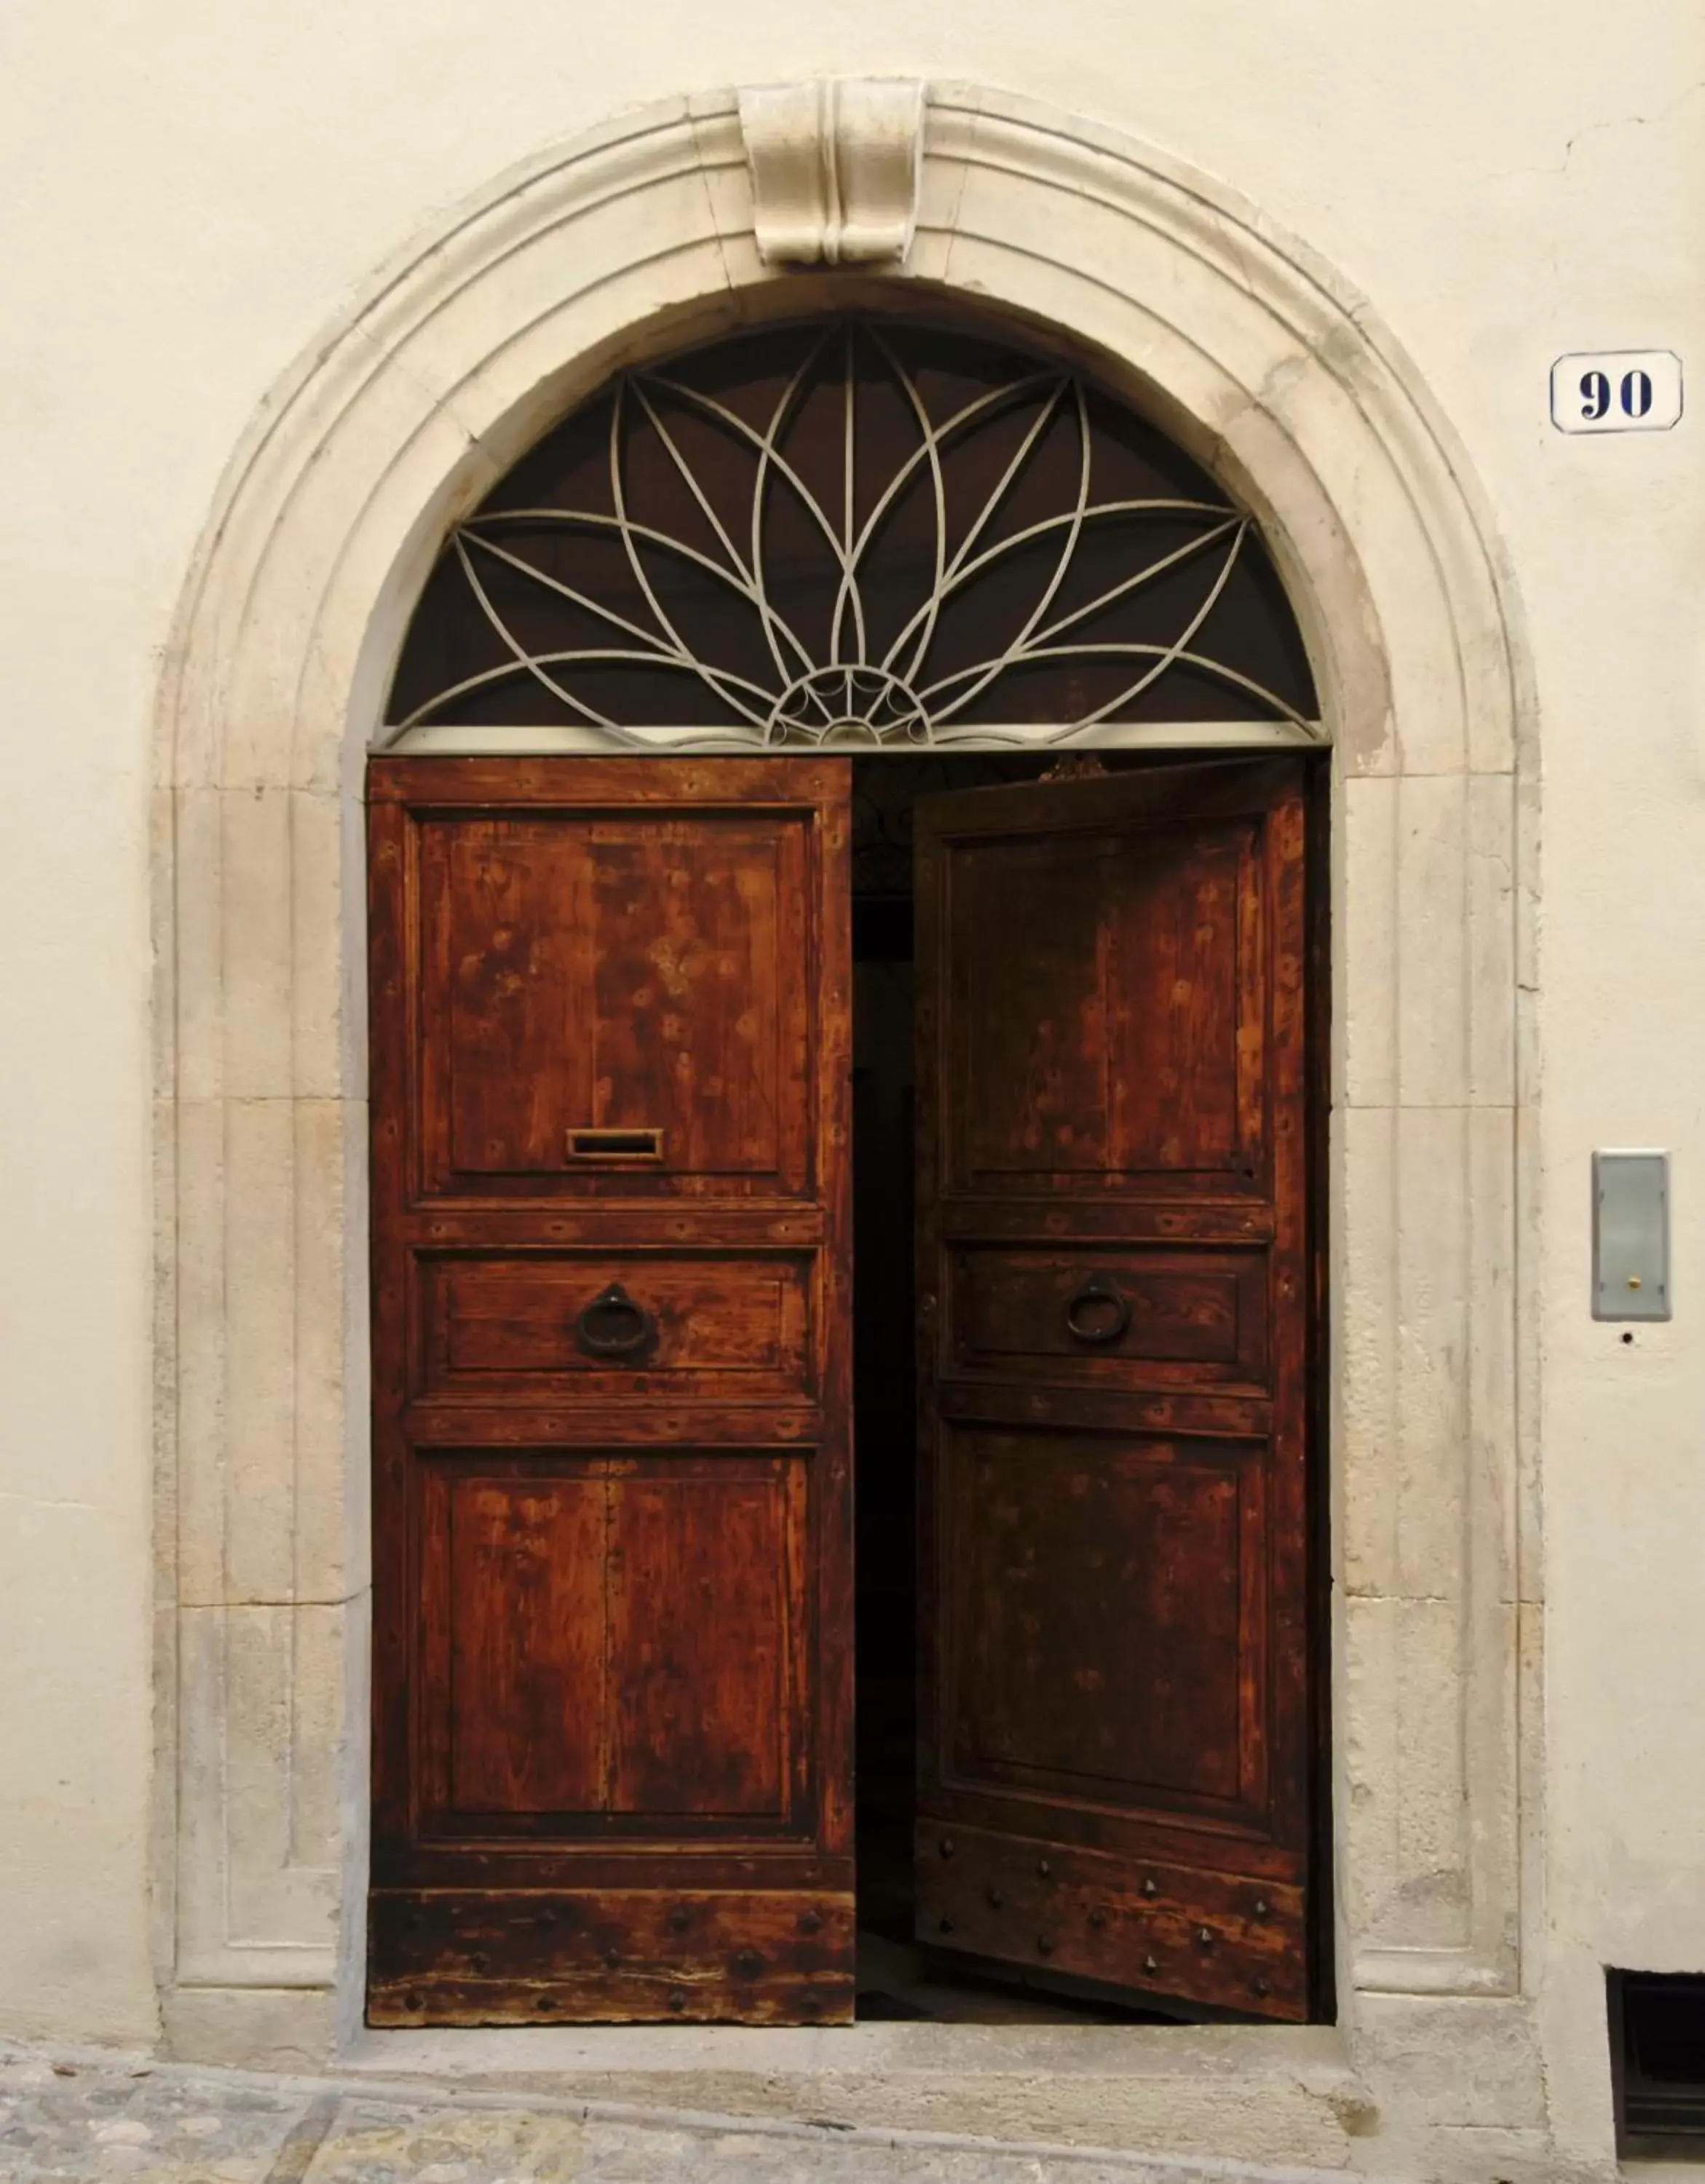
(1627, 390)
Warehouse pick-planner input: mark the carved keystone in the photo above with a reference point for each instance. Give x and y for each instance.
(835, 166)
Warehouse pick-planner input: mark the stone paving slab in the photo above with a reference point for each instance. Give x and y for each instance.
(82, 2121)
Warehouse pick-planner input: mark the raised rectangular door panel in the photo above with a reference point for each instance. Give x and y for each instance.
(1115, 1281)
(1134, 1687)
(515, 1650)
(612, 1537)
(1124, 1038)
(1151, 1315)
(507, 1326)
(710, 1659)
(610, 1640)
(612, 1003)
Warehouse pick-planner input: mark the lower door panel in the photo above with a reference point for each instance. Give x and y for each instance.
(511, 1956)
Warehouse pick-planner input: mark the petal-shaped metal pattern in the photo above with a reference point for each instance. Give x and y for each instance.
(853, 533)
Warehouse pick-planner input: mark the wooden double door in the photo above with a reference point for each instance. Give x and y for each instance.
(614, 1673)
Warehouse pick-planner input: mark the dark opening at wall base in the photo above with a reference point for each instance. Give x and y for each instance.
(1658, 2065)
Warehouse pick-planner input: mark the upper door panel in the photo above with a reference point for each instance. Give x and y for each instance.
(1121, 1046)
(615, 996)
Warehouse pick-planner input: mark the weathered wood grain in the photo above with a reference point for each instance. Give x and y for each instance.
(1114, 1292)
(612, 1534)
(674, 1956)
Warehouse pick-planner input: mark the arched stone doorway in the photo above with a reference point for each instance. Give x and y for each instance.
(1256, 360)
(664, 1054)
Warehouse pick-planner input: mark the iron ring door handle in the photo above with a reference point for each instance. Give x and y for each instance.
(1099, 1289)
(612, 1325)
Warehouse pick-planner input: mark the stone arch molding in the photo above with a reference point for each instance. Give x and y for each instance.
(639, 236)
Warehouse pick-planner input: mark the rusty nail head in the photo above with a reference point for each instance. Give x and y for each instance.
(481, 1962)
(1043, 1868)
(996, 1898)
(1098, 1918)
(811, 1923)
(946, 1846)
(413, 2002)
(946, 1924)
(1260, 1907)
(1045, 1944)
(1263, 1986)
(1150, 1965)
(1204, 1937)
(1150, 1887)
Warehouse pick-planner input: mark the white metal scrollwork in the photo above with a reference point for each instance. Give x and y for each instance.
(852, 690)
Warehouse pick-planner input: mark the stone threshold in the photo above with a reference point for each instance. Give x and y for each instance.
(1226, 2094)
(502, 2053)
(425, 2091)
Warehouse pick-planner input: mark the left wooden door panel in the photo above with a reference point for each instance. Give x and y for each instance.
(612, 1540)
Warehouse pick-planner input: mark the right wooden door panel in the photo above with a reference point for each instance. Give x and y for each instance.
(1114, 1302)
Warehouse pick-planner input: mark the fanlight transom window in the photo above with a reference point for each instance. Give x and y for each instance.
(853, 534)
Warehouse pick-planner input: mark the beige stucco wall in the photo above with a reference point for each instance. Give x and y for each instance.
(194, 194)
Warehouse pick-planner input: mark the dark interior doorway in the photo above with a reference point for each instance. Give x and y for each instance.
(897, 1977)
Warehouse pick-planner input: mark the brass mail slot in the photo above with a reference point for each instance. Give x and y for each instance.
(611, 1145)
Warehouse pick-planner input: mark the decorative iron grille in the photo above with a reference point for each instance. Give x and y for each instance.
(853, 534)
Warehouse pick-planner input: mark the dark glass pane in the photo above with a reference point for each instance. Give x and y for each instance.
(853, 529)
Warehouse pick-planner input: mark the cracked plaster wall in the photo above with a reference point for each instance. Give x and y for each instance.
(195, 191)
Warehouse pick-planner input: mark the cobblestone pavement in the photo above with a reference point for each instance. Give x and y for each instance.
(64, 2118)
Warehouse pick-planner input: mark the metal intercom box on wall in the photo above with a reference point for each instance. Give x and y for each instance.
(1630, 1235)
